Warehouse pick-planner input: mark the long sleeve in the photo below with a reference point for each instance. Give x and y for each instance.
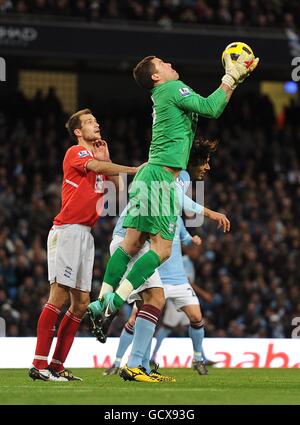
(185, 236)
(186, 203)
(210, 107)
(191, 206)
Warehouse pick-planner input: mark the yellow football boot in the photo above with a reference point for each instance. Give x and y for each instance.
(161, 378)
(137, 374)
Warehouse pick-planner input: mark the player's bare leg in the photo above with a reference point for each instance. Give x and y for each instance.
(134, 241)
(59, 295)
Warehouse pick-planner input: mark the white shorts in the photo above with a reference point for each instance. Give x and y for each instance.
(172, 317)
(178, 296)
(152, 282)
(181, 295)
(70, 252)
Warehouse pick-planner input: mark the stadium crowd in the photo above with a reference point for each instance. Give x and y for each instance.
(258, 13)
(249, 279)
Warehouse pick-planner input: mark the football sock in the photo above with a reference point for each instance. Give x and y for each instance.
(146, 358)
(115, 269)
(45, 334)
(126, 338)
(65, 337)
(143, 332)
(143, 268)
(196, 333)
(105, 288)
(204, 358)
(161, 334)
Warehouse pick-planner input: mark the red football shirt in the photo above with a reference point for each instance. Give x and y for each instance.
(82, 190)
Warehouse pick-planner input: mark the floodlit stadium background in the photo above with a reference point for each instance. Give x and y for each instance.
(59, 56)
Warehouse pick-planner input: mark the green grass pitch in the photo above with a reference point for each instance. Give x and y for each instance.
(220, 387)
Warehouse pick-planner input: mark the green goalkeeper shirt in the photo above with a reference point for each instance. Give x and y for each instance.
(175, 114)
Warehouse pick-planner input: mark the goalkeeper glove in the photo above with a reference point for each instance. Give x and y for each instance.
(236, 72)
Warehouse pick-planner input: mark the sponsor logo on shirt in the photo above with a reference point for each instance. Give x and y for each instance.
(83, 154)
(184, 91)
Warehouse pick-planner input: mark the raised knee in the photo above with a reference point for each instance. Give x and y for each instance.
(138, 246)
(196, 319)
(133, 248)
(164, 255)
(158, 302)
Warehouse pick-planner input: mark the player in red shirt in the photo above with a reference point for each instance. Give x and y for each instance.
(70, 245)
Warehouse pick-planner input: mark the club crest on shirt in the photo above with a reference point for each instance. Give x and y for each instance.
(184, 91)
(82, 154)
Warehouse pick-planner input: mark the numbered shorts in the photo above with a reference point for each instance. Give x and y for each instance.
(154, 205)
(152, 282)
(70, 252)
(178, 296)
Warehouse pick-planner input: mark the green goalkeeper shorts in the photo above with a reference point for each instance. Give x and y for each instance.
(154, 205)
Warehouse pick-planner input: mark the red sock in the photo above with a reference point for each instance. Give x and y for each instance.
(45, 334)
(65, 337)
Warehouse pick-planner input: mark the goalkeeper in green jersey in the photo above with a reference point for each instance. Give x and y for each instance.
(153, 209)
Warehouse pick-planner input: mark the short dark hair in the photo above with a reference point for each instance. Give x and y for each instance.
(143, 71)
(75, 122)
(201, 151)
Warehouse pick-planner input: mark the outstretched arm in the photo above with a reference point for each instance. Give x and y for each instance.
(222, 220)
(185, 202)
(191, 206)
(213, 105)
(109, 168)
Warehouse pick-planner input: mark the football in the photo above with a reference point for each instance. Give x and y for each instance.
(235, 49)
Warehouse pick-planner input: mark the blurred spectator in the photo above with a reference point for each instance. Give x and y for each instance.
(5, 6)
(258, 13)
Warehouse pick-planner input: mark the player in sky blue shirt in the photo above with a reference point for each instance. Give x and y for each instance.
(172, 271)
